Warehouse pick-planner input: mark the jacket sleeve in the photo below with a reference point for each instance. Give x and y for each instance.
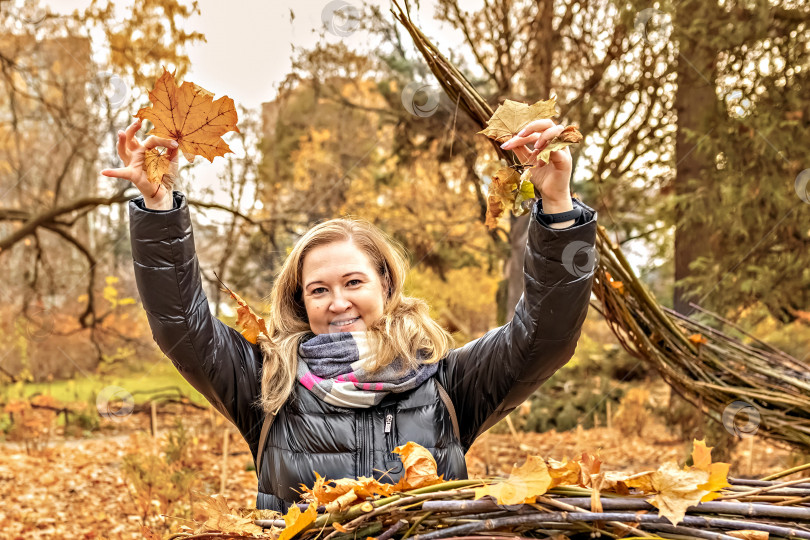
(490, 376)
(214, 358)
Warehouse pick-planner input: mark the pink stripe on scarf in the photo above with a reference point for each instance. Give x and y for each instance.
(379, 386)
(309, 380)
(366, 386)
(353, 378)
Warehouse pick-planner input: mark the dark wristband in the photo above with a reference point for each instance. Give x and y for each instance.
(559, 217)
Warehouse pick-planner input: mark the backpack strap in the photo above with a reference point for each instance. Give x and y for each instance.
(449, 404)
(268, 421)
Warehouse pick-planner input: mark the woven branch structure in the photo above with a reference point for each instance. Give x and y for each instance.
(724, 377)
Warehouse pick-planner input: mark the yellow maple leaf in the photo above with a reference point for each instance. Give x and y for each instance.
(675, 489)
(189, 115)
(523, 485)
(512, 116)
(296, 521)
(718, 472)
(563, 474)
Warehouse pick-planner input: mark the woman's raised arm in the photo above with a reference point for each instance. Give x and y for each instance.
(214, 358)
(490, 376)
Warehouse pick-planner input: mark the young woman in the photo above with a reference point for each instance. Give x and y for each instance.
(353, 368)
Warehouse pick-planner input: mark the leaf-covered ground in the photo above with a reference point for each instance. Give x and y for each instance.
(77, 488)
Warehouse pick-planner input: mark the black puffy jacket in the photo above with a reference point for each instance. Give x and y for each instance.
(486, 379)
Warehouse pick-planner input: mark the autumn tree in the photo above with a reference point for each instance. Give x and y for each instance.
(741, 235)
(67, 84)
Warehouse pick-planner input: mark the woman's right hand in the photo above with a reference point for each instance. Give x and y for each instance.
(132, 152)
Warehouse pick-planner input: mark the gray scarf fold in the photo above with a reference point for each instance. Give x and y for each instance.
(333, 367)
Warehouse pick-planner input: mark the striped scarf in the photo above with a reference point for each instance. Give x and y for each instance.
(332, 366)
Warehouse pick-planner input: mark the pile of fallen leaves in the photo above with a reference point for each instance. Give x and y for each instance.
(543, 498)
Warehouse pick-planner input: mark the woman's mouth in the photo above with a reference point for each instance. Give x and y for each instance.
(347, 322)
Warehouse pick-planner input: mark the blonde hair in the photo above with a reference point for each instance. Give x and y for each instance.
(404, 330)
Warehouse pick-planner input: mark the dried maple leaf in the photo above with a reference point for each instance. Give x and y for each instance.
(570, 135)
(189, 115)
(523, 485)
(677, 489)
(508, 189)
(420, 467)
(512, 116)
(296, 521)
(219, 517)
(345, 491)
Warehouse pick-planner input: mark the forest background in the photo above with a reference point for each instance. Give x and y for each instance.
(696, 117)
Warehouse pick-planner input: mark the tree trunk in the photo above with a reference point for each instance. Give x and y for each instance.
(695, 105)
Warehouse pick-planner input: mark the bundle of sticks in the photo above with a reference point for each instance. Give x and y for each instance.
(444, 511)
(731, 380)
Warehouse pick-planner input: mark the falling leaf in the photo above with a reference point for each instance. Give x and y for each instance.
(296, 521)
(252, 325)
(189, 115)
(524, 484)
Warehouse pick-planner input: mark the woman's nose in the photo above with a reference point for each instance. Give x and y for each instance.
(339, 304)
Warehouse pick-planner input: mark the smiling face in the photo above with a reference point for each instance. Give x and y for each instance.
(342, 290)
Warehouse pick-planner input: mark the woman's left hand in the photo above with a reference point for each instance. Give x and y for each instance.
(552, 181)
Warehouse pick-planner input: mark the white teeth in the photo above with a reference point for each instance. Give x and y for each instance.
(345, 323)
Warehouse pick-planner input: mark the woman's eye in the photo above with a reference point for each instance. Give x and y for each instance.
(354, 281)
(318, 290)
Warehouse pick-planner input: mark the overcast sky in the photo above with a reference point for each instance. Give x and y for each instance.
(248, 48)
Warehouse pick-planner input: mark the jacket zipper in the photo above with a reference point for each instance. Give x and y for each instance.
(370, 445)
(389, 436)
